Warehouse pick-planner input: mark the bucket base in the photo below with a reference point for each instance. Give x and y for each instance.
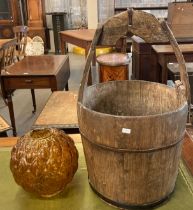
(124, 206)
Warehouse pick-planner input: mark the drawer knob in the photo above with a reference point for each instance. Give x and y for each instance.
(28, 81)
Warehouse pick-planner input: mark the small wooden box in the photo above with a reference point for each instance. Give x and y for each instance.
(113, 66)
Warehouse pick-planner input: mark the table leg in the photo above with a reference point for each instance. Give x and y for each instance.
(66, 87)
(62, 46)
(33, 100)
(164, 73)
(162, 60)
(94, 59)
(11, 113)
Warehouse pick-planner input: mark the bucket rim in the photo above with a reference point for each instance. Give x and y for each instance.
(135, 116)
(185, 104)
(130, 81)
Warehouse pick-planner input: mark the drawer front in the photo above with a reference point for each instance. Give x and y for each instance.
(27, 82)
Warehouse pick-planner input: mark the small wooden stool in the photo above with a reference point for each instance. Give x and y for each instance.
(113, 66)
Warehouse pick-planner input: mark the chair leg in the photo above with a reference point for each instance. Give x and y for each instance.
(33, 100)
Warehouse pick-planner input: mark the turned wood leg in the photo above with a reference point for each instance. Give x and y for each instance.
(63, 46)
(11, 113)
(66, 87)
(164, 74)
(164, 71)
(33, 100)
(94, 59)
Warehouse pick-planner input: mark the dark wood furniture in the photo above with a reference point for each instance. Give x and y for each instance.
(29, 12)
(9, 17)
(165, 54)
(59, 24)
(81, 38)
(145, 64)
(144, 61)
(7, 54)
(36, 18)
(7, 57)
(187, 148)
(113, 66)
(180, 19)
(35, 72)
(59, 112)
(20, 33)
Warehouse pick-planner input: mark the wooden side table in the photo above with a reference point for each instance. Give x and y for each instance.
(166, 55)
(35, 72)
(113, 66)
(81, 38)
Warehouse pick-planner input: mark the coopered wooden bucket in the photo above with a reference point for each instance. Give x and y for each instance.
(132, 134)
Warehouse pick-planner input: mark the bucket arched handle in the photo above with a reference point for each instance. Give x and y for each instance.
(159, 36)
(180, 60)
(89, 59)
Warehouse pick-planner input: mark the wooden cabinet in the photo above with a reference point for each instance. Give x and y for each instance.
(9, 16)
(36, 19)
(144, 61)
(33, 13)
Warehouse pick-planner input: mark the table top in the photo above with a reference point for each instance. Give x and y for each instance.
(113, 59)
(11, 141)
(167, 49)
(77, 195)
(3, 41)
(36, 65)
(82, 34)
(60, 103)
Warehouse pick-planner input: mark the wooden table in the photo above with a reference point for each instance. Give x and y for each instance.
(11, 141)
(187, 148)
(145, 64)
(78, 194)
(166, 54)
(81, 38)
(59, 112)
(35, 72)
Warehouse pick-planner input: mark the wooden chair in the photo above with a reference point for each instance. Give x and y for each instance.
(21, 36)
(7, 54)
(7, 58)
